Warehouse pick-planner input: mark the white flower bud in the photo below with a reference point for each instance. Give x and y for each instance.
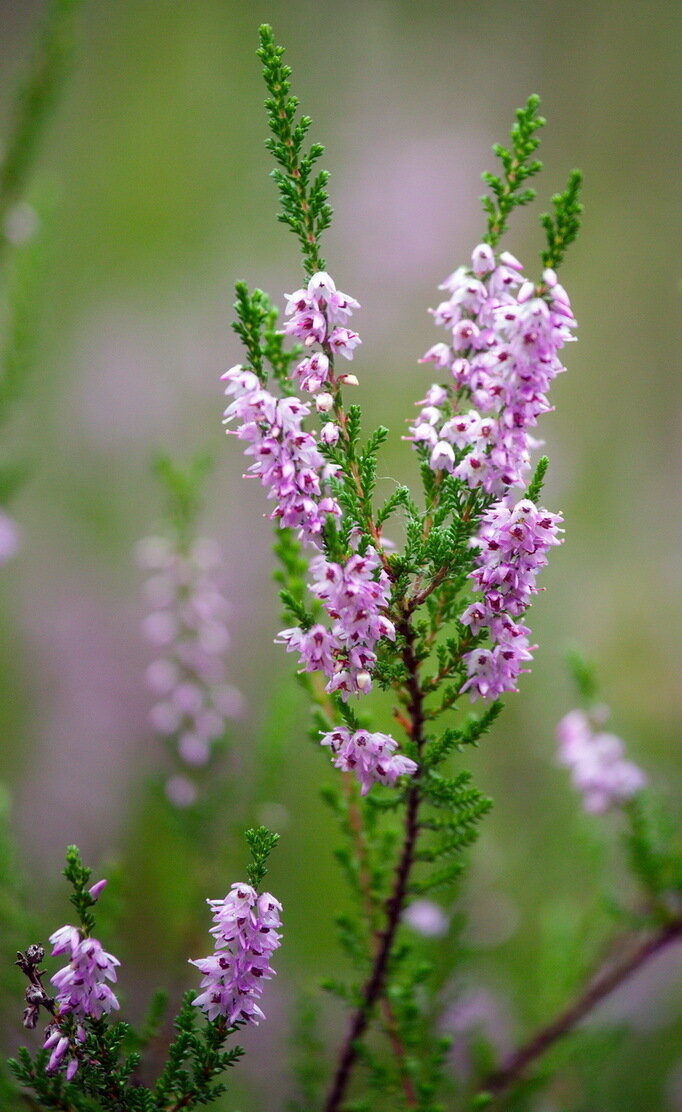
(324, 402)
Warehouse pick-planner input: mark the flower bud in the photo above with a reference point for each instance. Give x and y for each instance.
(324, 402)
(330, 434)
(96, 890)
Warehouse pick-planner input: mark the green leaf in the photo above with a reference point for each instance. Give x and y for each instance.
(563, 228)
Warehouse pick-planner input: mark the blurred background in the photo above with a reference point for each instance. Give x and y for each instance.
(160, 200)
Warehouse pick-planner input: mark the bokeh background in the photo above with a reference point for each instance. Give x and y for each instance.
(161, 199)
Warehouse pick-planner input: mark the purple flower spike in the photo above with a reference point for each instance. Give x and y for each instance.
(513, 542)
(82, 992)
(503, 355)
(81, 985)
(246, 935)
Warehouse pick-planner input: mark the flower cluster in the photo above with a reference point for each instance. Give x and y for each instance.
(246, 935)
(505, 336)
(372, 758)
(355, 595)
(597, 763)
(318, 315)
(82, 992)
(187, 627)
(81, 985)
(513, 543)
(286, 458)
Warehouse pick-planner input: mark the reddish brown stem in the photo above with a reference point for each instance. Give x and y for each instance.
(610, 977)
(375, 984)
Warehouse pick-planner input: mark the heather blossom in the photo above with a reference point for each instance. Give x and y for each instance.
(286, 457)
(187, 626)
(82, 993)
(597, 763)
(371, 757)
(318, 314)
(512, 544)
(81, 985)
(505, 337)
(355, 594)
(246, 934)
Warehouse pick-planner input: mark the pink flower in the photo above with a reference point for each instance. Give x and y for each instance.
(597, 763)
(370, 757)
(246, 934)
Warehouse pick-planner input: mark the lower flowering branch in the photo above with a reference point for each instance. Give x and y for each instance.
(609, 978)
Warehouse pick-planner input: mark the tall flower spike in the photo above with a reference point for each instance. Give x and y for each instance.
(502, 357)
(82, 993)
(187, 626)
(246, 934)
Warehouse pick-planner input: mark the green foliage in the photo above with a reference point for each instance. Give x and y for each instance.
(184, 489)
(517, 168)
(654, 853)
(400, 497)
(35, 99)
(305, 205)
(261, 842)
(256, 327)
(563, 229)
(583, 674)
(20, 326)
(280, 360)
(195, 1060)
(253, 310)
(459, 808)
(537, 482)
(78, 875)
(456, 738)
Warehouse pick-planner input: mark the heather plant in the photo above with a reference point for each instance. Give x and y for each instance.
(186, 628)
(427, 625)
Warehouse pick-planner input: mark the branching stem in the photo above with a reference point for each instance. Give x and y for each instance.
(609, 978)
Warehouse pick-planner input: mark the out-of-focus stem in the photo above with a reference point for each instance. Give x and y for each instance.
(609, 977)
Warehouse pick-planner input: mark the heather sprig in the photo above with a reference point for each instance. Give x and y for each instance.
(305, 205)
(187, 628)
(83, 897)
(402, 617)
(261, 842)
(562, 229)
(518, 166)
(433, 624)
(89, 1062)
